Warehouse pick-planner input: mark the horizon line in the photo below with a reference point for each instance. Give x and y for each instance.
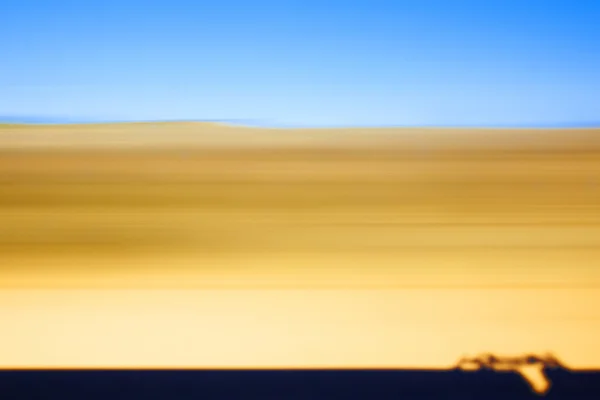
(255, 123)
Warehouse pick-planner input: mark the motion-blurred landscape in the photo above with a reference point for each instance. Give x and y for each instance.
(299, 199)
(240, 206)
(297, 247)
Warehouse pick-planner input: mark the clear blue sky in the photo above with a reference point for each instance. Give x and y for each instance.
(303, 62)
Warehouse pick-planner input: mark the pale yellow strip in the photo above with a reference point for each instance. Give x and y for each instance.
(293, 328)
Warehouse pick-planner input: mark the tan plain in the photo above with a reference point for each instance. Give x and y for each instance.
(189, 244)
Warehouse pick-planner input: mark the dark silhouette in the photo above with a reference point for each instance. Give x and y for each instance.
(531, 367)
(492, 378)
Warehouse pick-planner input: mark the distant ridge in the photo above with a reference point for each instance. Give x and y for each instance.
(261, 123)
(227, 135)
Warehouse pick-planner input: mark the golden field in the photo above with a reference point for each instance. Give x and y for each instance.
(195, 244)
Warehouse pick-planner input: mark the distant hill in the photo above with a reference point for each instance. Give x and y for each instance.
(261, 123)
(230, 135)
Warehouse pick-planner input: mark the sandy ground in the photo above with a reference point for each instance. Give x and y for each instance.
(206, 245)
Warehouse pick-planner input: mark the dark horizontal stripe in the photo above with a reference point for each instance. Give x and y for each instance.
(288, 384)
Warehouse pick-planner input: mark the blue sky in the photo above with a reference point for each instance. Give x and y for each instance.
(308, 62)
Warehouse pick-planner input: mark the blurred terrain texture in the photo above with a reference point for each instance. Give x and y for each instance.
(111, 205)
(346, 247)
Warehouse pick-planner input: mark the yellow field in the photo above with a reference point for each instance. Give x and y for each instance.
(355, 247)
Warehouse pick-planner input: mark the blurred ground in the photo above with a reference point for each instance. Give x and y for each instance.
(465, 240)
